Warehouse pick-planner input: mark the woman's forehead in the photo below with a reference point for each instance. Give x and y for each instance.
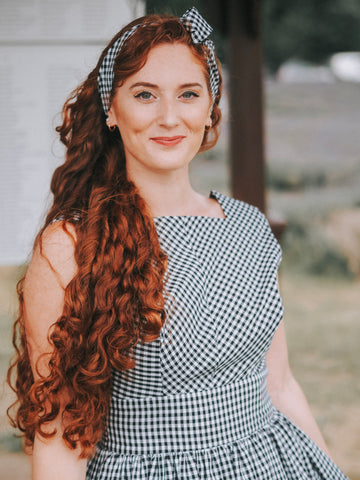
(172, 58)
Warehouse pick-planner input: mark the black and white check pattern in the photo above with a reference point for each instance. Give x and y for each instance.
(200, 31)
(106, 71)
(196, 26)
(196, 404)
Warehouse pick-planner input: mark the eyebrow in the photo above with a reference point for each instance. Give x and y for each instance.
(152, 85)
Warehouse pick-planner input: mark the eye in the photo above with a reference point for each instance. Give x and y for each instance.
(189, 94)
(144, 95)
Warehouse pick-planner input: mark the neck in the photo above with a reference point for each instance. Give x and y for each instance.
(167, 194)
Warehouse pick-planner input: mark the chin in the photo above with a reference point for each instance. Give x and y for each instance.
(170, 161)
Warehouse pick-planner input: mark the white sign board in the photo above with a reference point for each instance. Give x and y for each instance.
(47, 48)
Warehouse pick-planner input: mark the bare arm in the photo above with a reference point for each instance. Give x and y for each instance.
(43, 304)
(285, 392)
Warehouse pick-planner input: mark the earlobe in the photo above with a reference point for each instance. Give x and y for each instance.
(208, 123)
(209, 119)
(110, 120)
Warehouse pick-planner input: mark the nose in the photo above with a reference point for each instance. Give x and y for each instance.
(168, 115)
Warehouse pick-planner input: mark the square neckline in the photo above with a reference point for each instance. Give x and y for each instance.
(212, 194)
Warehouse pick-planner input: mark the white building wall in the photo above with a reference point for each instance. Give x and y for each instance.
(47, 47)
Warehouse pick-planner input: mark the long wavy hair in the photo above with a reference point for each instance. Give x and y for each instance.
(116, 298)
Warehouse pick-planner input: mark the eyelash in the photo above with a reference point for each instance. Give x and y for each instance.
(140, 95)
(189, 94)
(193, 94)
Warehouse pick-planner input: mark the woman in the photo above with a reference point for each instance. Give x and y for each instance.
(149, 314)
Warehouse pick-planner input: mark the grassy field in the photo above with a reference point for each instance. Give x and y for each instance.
(323, 332)
(313, 170)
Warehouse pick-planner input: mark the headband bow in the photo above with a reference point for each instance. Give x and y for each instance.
(199, 30)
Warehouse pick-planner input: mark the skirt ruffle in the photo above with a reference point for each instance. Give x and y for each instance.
(280, 450)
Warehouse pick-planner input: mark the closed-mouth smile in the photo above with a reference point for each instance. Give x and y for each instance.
(168, 141)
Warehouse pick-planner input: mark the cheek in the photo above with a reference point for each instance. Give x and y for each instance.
(129, 116)
(197, 120)
(131, 124)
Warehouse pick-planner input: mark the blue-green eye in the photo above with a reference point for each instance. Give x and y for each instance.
(144, 95)
(189, 94)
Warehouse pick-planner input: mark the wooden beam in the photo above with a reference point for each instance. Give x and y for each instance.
(240, 22)
(246, 103)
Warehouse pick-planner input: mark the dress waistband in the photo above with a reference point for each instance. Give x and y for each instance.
(193, 421)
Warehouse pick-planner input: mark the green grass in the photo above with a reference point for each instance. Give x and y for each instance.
(323, 331)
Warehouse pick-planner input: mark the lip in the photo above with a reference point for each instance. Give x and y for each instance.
(168, 141)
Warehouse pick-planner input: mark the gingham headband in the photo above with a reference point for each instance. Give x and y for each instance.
(194, 24)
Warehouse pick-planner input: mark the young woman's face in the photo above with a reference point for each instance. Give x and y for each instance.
(161, 111)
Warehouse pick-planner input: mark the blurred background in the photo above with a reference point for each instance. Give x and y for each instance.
(308, 54)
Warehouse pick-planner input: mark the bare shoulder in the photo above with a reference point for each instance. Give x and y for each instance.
(53, 255)
(51, 269)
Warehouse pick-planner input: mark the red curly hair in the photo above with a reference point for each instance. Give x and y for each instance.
(116, 298)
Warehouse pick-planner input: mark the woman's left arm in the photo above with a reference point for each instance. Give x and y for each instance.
(286, 393)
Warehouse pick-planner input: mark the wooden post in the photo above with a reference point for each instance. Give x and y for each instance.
(246, 103)
(240, 21)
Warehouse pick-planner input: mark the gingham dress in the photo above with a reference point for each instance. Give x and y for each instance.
(196, 404)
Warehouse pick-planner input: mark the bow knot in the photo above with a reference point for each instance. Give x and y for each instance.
(200, 30)
(196, 25)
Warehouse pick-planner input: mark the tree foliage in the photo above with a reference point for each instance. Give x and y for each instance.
(173, 7)
(309, 29)
(179, 7)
